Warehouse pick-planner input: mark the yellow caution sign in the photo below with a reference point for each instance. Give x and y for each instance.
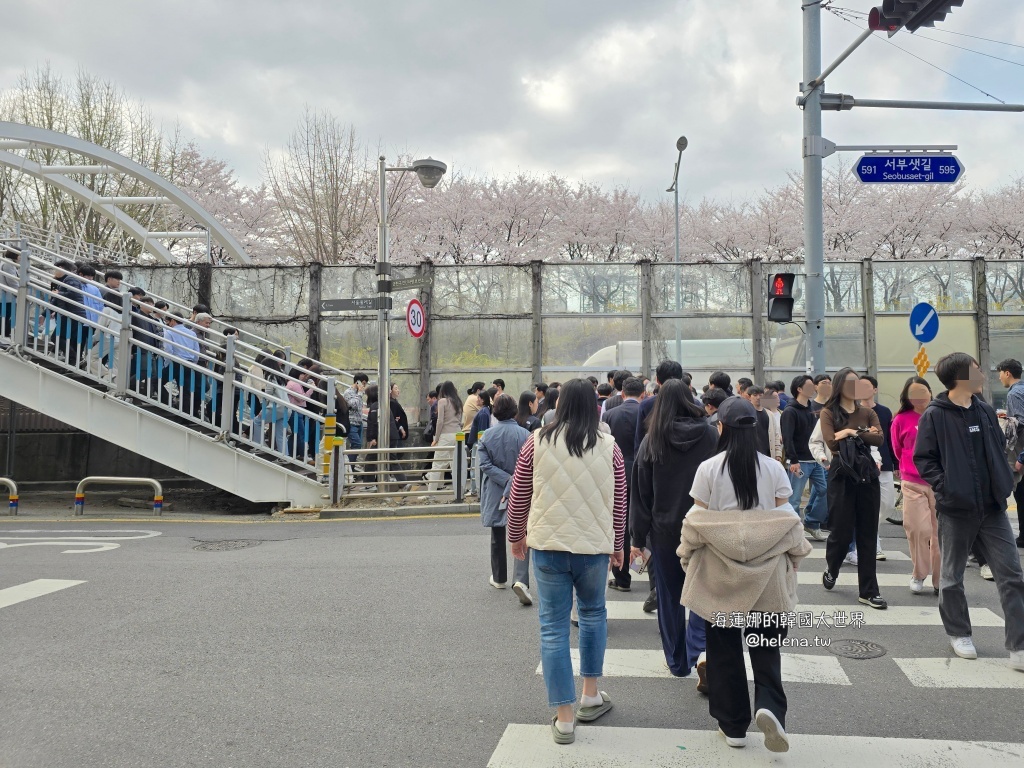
(921, 361)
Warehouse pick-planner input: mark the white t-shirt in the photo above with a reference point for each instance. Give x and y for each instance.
(712, 485)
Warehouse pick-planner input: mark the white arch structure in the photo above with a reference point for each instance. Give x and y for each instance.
(16, 136)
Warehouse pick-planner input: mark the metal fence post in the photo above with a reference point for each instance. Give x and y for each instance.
(330, 428)
(21, 319)
(123, 354)
(227, 386)
(537, 353)
(646, 326)
(336, 476)
(867, 278)
(459, 467)
(757, 315)
(313, 330)
(981, 308)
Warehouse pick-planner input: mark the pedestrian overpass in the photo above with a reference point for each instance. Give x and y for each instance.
(222, 414)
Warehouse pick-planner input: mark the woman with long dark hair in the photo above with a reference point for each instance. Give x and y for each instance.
(568, 506)
(449, 423)
(678, 440)
(526, 417)
(854, 494)
(742, 543)
(551, 411)
(919, 512)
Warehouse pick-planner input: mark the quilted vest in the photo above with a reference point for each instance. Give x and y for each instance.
(573, 498)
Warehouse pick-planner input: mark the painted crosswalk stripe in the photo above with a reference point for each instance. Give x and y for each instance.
(961, 673)
(796, 667)
(531, 746)
(901, 615)
(32, 589)
(847, 578)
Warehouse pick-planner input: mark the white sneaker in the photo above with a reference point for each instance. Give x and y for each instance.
(523, 593)
(917, 586)
(851, 558)
(496, 584)
(986, 573)
(736, 743)
(964, 647)
(775, 739)
(879, 555)
(1017, 660)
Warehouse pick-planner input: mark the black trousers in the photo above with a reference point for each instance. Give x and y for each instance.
(1018, 496)
(853, 505)
(728, 699)
(499, 556)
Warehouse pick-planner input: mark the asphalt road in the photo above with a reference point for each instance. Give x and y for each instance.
(362, 643)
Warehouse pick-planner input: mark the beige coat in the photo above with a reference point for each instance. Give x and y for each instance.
(741, 561)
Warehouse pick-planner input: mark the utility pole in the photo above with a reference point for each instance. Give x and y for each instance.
(383, 293)
(814, 229)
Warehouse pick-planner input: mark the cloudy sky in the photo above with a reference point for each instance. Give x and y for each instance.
(594, 90)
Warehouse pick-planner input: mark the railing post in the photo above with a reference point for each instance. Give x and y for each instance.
(459, 467)
(537, 349)
(756, 313)
(982, 322)
(336, 475)
(123, 353)
(646, 324)
(19, 333)
(330, 428)
(227, 414)
(867, 278)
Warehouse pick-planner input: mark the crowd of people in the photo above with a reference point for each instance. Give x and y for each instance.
(706, 490)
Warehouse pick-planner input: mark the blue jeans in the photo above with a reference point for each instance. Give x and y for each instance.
(816, 514)
(355, 437)
(556, 574)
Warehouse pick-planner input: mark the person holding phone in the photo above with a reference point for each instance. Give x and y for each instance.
(854, 495)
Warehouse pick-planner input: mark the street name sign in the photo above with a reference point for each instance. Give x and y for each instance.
(405, 283)
(924, 322)
(354, 305)
(908, 169)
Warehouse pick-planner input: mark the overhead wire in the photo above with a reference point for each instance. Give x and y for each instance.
(845, 13)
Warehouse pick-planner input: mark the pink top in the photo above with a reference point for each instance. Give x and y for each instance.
(296, 388)
(904, 436)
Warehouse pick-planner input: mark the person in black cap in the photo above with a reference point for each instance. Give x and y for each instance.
(741, 546)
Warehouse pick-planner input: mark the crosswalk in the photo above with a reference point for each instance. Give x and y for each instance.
(918, 658)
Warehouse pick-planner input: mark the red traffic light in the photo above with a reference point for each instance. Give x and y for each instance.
(780, 298)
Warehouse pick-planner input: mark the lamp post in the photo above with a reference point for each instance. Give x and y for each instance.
(681, 144)
(429, 172)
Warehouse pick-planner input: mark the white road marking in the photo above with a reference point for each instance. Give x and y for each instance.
(954, 672)
(86, 543)
(847, 578)
(531, 746)
(33, 589)
(796, 667)
(901, 615)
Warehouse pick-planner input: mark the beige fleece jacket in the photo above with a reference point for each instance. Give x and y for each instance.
(741, 561)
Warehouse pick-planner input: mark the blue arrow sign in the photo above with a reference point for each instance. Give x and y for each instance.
(908, 169)
(924, 322)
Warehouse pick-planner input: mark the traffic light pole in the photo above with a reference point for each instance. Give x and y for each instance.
(814, 228)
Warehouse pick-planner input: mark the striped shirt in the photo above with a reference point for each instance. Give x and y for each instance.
(521, 496)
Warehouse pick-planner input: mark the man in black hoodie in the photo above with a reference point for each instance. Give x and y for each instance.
(798, 421)
(960, 453)
(622, 422)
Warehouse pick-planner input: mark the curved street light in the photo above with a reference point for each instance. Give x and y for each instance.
(681, 145)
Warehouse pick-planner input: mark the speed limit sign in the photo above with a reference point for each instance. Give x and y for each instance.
(416, 318)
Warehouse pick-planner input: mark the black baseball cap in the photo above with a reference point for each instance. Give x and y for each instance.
(737, 413)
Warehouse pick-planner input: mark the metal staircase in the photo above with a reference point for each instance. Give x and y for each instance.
(226, 408)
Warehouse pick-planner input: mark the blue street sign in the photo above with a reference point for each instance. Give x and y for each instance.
(924, 322)
(908, 169)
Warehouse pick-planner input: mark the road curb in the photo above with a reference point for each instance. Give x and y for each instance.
(432, 510)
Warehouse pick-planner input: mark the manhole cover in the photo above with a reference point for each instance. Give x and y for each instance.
(857, 649)
(224, 546)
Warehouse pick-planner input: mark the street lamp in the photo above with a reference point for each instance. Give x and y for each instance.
(429, 172)
(681, 144)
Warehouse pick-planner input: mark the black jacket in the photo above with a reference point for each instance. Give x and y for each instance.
(372, 427)
(885, 449)
(622, 422)
(660, 496)
(797, 425)
(945, 458)
(68, 295)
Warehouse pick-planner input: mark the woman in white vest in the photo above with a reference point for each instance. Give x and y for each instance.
(741, 545)
(568, 505)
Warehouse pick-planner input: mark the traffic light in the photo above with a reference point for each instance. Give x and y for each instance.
(893, 15)
(780, 297)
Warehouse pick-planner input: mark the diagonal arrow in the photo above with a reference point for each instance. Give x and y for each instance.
(927, 319)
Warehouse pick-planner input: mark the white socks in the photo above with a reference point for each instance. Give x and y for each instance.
(565, 727)
(591, 701)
